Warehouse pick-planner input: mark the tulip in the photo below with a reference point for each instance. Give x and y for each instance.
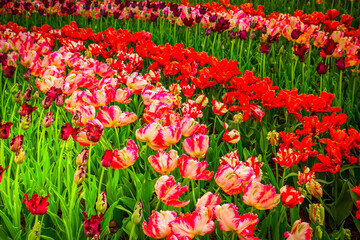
(107, 158)
(137, 214)
(48, 120)
(76, 119)
(192, 169)
(188, 225)
(82, 157)
(158, 225)
(273, 137)
(92, 227)
(27, 95)
(68, 130)
(26, 109)
(231, 158)
(101, 203)
(227, 179)
(260, 196)
(9, 71)
(25, 122)
(229, 220)
(202, 101)
(20, 156)
(5, 130)
(314, 188)
(219, 108)
(168, 191)
(87, 113)
(317, 213)
(321, 68)
(80, 174)
(290, 197)
(37, 205)
(265, 48)
(197, 146)
(306, 176)
(125, 157)
(188, 126)
(163, 162)
(299, 231)
(94, 130)
(232, 136)
(16, 143)
(18, 97)
(208, 200)
(238, 118)
(287, 157)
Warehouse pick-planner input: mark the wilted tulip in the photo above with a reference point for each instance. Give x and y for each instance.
(16, 143)
(48, 120)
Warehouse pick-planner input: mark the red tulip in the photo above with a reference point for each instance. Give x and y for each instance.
(92, 227)
(37, 205)
(290, 197)
(125, 157)
(5, 130)
(168, 191)
(192, 169)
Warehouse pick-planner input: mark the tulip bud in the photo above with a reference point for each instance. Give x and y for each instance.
(27, 74)
(36, 95)
(76, 119)
(316, 213)
(25, 122)
(34, 234)
(27, 95)
(20, 156)
(202, 101)
(18, 97)
(46, 103)
(319, 232)
(9, 71)
(273, 137)
(101, 204)
(137, 214)
(82, 157)
(314, 188)
(69, 144)
(16, 143)
(347, 233)
(48, 120)
(252, 35)
(15, 88)
(80, 174)
(59, 100)
(238, 118)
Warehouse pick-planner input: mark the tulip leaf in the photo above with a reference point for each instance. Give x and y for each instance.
(107, 217)
(10, 227)
(342, 206)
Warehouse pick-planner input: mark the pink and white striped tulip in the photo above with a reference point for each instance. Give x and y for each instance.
(188, 126)
(192, 169)
(197, 146)
(159, 224)
(260, 196)
(188, 225)
(209, 200)
(299, 231)
(163, 162)
(169, 192)
(125, 157)
(227, 179)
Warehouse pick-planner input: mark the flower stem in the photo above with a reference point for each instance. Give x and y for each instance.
(60, 163)
(132, 231)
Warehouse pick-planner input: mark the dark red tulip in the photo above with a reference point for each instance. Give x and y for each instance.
(340, 63)
(5, 130)
(322, 68)
(95, 130)
(330, 47)
(16, 143)
(26, 109)
(265, 48)
(68, 130)
(92, 227)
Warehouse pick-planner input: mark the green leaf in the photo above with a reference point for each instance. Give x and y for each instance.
(10, 227)
(342, 206)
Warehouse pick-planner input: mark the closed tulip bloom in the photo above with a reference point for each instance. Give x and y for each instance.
(5, 130)
(82, 157)
(158, 225)
(171, 134)
(209, 200)
(314, 188)
(306, 176)
(169, 192)
(20, 156)
(229, 220)
(227, 179)
(163, 162)
(16, 143)
(197, 146)
(290, 197)
(260, 196)
(37, 205)
(122, 95)
(193, 169)
(189, 225)
(48, 120)
(80, 174)
(125, 157)
(317, 213)
(202, 101)
(219, 108)
(299, 231)
(95, 130)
